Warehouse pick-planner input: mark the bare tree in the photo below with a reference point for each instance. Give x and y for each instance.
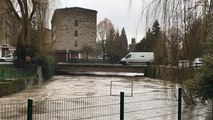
(103, 30)
(27, 11)
(174, 43)
(86, 50)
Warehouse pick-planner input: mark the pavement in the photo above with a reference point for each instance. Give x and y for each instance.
(2, 63)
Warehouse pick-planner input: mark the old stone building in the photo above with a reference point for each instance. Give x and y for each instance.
(7, 30)
(73, 29)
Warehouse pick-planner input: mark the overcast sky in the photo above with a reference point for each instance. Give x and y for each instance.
(119, 12)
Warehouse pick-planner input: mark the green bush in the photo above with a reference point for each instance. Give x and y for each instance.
(48, 66)
(150, 71)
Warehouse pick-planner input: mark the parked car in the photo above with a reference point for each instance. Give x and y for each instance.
(8, 58)
(183, 63)
(198, 62)
(138, 58)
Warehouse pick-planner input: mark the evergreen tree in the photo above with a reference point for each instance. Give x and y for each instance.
(116, 45)
(156, 29)
(154, 42)
(109, 42)
(123, 43)
(159, 44)
(145, 44)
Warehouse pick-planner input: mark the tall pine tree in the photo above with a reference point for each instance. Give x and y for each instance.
(116, 47)
(109, 42)
(123, 43)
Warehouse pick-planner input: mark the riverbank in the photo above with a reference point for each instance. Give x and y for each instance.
(11, 86)
(170, 73)
(158, 72)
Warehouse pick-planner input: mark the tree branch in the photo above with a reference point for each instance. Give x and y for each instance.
(33, 10)
(21, 7)
(25, 7)
(12, 9)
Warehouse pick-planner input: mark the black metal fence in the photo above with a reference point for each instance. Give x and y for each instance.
(153, 105)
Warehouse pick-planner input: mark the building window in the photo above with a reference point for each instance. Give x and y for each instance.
(76, 44)
(76, 33)
(76, 22)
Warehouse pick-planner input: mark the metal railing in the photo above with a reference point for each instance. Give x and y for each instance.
(14, 74)
(86, 108)
(137, 107)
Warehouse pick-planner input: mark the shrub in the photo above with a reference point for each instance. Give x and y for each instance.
(48, 66)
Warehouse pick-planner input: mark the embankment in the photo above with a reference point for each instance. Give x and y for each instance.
(8, 87)
(170, 73)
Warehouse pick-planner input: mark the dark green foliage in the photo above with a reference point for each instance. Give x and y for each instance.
(30, 52)
(202, 85)
(156, 29)
(48, 66)
(155, 41)
(193, 40)
(124, 43)
(116, 48)
(21, 53)
(149, 42)
(109, 42)
(150, 71)
(116, 45)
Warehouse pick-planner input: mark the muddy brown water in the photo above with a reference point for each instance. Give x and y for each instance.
(66, 87)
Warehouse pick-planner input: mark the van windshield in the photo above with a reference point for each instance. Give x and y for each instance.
(129, 56)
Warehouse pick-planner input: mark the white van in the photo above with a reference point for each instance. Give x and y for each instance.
(138, 58)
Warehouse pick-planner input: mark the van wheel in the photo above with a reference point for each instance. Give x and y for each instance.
(123, 63)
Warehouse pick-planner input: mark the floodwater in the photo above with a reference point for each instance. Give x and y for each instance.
(62, 87)
(141, 93)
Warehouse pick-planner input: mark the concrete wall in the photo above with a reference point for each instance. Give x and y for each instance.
(98, 68)
(12, 86)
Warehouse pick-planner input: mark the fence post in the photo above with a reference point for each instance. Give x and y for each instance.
(212, 108)
(179, 103)
(121, 105)
(30, 109)
(110, 87)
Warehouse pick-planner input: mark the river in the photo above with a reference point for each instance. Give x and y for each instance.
(66, 87)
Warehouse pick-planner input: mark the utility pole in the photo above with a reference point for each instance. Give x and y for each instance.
(67, 50)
